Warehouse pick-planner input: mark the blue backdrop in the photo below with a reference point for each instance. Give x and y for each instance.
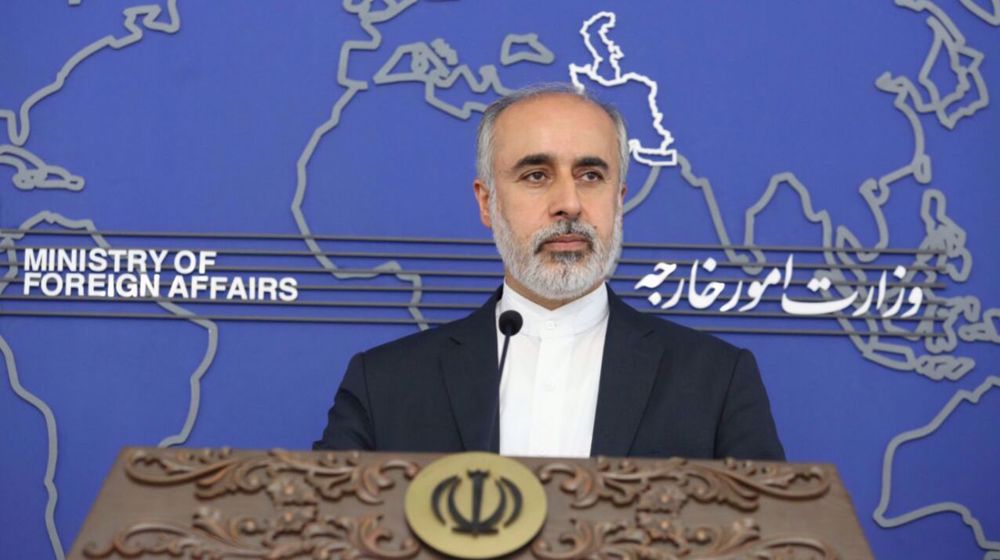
(803, 128)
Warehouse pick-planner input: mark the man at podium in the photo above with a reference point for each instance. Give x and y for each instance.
(586, 374)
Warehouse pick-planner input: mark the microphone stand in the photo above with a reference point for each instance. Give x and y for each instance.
(510, 323)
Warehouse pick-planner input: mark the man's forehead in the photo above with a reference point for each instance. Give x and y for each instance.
(558, 124)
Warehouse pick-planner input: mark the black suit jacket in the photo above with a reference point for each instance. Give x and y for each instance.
(665, 390)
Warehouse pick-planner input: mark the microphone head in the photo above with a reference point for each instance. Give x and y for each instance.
(510, 322)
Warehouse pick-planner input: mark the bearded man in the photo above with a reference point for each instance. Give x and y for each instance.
(587, 375)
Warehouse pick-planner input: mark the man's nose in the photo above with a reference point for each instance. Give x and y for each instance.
(565, 198)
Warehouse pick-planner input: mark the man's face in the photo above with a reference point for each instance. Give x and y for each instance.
(556, 207)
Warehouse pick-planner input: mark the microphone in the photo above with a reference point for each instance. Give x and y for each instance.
(510, 323)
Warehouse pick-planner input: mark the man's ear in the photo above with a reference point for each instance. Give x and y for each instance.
(483, 199)
(622, 193)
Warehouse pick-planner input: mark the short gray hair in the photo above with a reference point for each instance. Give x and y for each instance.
(485, 139)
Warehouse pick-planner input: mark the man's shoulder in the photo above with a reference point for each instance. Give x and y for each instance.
(677, 337)
(423, 342)
(689, 336)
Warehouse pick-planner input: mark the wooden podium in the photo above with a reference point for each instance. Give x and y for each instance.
(222, 503)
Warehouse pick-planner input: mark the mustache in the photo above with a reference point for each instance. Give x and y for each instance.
(565, 227)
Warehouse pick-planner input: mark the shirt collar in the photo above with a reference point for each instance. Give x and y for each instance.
(575, 317)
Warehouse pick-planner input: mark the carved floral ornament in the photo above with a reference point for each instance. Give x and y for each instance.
(653, 494)
(659, 492)
(295, 483)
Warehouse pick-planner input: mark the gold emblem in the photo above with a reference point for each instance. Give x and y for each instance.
(475, 505)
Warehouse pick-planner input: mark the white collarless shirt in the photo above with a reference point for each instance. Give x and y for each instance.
(548, 389)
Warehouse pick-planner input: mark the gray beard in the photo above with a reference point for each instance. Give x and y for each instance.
(568, 274)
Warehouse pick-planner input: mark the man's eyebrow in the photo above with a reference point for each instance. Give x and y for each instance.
(548, 159)
(534, 159)
(591, 161)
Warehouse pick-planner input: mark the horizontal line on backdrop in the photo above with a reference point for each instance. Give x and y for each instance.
(380, 321)
(431, 305)
(488, 290)
(456, 257)
(454, 241)
(499, 274)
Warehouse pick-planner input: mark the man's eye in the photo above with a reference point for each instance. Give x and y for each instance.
(592, 176)
(535, 176)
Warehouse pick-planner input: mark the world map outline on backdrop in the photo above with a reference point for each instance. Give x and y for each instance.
(438, 69)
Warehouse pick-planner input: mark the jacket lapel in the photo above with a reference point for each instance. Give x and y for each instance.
(469, 366)
(628, 371)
